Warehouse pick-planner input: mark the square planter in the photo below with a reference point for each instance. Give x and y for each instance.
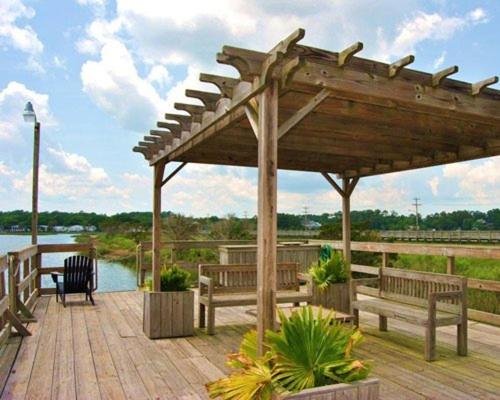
(335, 296)
(367, 389)
(168, 314)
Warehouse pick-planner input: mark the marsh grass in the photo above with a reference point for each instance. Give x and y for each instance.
(470, 267)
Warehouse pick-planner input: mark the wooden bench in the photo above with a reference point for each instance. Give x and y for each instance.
(230, 285)
(419, 298)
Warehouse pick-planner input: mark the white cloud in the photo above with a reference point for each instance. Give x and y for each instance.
(98, 6)
(423, 27)
(438, 62)
(114, 84)
(479, 181)
(159, 75)
(20, 36)
(434, 185)
(12, 100)
(5, 170)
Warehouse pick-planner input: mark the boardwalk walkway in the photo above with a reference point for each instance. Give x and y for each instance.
(85, 352)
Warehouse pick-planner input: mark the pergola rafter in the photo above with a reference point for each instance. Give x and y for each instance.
(297, 107)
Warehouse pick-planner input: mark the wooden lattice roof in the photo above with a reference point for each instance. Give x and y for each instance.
(338, 113)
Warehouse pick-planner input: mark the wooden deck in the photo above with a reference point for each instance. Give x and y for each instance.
(87, 352)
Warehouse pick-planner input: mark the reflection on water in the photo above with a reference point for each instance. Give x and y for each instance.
(112, 276)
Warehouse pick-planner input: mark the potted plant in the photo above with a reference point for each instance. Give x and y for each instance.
(309, 358)
(330, 287)
(170, 312)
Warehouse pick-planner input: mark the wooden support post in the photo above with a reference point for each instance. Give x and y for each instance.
(13, 272)
(385, 260)
(450, 265)
(346, 223)
(159, 168)
(38, 266)
(267, 213)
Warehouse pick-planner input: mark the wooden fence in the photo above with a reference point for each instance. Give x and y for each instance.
(142, 266)
(442, 236)
(451, 252)
(21, 274)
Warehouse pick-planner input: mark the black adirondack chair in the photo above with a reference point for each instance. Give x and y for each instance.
(77, 278)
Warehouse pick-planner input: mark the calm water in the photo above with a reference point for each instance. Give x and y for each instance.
(112, 276)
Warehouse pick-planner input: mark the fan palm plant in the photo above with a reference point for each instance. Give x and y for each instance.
(330, 271)
(308, 352)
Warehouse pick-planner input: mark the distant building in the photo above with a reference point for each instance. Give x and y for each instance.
(91, 228)
(43, 228)
(311, 225)
(17, 229)
(59, 229)
(75, 228)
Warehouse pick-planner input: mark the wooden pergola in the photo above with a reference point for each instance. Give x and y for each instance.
(301, 108)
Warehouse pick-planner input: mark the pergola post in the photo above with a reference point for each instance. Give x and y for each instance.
(267, 213)
(346, 222)
(158, 170)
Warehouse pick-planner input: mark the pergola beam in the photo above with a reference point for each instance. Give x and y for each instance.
(295, 119)
(173, 173)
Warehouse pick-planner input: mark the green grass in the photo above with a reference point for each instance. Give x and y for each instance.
(469, 267)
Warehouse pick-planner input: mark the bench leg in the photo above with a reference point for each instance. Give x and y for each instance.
(355, 317)
(382, 323)
(211, 320)
(296, 304)
(462, 339)
(201, 316)
(430, 343)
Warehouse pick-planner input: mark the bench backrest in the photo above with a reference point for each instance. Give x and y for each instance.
(414, 287)
(238, 278)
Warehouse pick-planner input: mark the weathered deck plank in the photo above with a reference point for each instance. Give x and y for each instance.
(87, 352)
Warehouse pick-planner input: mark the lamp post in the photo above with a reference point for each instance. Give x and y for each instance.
(30, 116)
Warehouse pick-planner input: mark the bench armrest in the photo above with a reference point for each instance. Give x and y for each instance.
(208, 282)
(434, 297)
(361, 282)
(304, 277)
(309, 281)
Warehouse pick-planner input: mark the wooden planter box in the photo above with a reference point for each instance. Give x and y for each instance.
(367, 389)
(168, 314)
(335, 296)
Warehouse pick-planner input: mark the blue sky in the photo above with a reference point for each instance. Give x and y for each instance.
(101, 72)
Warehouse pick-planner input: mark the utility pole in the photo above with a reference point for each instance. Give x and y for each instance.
(306, 211)
(416, 204)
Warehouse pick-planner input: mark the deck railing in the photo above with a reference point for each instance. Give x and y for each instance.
(4, 301)
(442, 236)
(142, 266)
(451, 252)
(21, 274)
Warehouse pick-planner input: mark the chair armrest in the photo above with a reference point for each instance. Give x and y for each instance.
(55, 276)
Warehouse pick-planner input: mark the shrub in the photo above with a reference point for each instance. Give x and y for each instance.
(173, 279)
(308, 352)
(333, 270)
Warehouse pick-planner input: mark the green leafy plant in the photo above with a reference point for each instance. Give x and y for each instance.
(333, 270)
(172, 279)
(308, 352)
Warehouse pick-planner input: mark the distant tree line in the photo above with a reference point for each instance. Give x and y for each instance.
(361, 221)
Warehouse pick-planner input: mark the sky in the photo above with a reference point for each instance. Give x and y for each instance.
(100, 73)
